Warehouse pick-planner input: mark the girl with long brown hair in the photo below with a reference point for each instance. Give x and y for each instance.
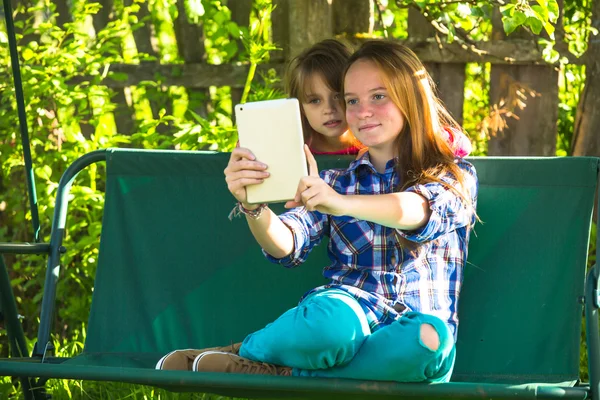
(398, 221)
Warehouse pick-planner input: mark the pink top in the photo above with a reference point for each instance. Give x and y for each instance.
(347, 151)
(459, 142)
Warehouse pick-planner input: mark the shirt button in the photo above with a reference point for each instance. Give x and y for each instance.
(394, 260)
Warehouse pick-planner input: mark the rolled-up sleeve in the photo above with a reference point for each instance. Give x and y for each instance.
(307, 229)
(448, 210)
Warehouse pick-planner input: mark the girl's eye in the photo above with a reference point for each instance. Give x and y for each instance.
(379, 97)
(351, 102)
(314, 101)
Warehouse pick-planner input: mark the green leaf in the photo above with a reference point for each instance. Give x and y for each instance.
(535, 25)
(520, 17)
(45, 172)
(230, 49)
(28, 54)
(510, 24)
(507, 9)
(541, 12)
(477, 11)
(220, 17)
(234, 30)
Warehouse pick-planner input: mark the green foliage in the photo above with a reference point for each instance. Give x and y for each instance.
(70, 113)
(59, 110)
(536, 17)
(463, 21)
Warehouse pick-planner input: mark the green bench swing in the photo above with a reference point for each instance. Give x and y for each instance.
(173, 272)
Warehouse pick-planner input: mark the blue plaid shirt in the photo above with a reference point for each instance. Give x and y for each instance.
(367, 259)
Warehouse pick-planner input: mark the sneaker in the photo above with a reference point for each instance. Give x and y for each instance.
(220, 361)
(181, 360)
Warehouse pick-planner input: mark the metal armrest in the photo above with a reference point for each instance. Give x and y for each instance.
(25, 248)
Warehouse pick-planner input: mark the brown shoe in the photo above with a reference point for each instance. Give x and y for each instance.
(181, 360)
(219, 361)
(178, 360)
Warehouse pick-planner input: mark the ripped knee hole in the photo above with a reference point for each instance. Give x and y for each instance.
(429, 337)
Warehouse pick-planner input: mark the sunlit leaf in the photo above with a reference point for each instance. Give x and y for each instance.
(535, 25)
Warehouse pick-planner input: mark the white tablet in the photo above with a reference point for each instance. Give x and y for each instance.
(272, 130)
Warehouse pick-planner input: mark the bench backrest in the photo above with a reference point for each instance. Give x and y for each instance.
(174, 272)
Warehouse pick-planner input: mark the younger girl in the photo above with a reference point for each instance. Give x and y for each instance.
(315, 78)
(398, 220)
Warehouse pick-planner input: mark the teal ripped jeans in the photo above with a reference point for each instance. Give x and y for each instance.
(327, 335)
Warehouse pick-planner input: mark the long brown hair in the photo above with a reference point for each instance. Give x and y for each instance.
(327, 58)
(423, 153)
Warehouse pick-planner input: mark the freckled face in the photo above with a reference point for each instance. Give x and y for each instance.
(372, 116)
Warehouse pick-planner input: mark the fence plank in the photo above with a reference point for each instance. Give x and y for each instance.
(534, 134)
(513, 52)
(310, 21)
(234, 75)
(353, 16)
(586, 140)
(188, 75)
(449, 77)
(280, 24)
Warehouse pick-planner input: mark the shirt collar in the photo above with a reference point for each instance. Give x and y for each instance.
(365, 160)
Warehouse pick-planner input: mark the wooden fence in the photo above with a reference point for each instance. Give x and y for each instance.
(298, 23)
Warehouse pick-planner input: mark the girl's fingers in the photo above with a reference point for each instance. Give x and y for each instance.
(302, 186)
(248, 174)
(313, 203)
(306, 183)
(238, 187)
(244, 165)
(313, 169)
(309, 193)
(240, 180)
(293, 204)
(250, 181)
(241, 152)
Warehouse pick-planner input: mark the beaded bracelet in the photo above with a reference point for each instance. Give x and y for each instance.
(239, 209)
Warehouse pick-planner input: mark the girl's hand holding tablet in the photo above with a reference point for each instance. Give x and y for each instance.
(242, 170)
